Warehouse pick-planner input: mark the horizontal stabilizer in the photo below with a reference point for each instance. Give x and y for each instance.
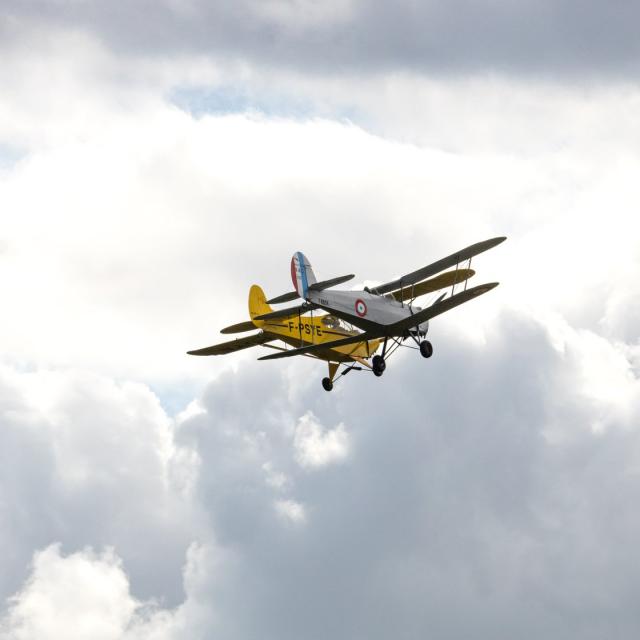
(241, 327)
(233, 345)
(442, 281)
(285, 297)
(326, 284)
(440, 265)
(318, 286)
(289, 311)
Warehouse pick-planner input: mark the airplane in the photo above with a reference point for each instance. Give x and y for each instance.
(356, 323)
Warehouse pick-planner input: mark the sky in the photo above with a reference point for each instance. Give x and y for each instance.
(159, 158)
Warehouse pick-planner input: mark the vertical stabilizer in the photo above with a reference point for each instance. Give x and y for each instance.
(257, 304)
(301, 274)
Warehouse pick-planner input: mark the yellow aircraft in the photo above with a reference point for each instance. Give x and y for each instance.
(298, 331)
(300, 328)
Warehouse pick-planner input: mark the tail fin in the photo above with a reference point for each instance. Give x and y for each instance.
(257, 304)
(302, 274)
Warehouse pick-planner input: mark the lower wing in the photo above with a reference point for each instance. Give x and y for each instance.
(322, 346)
(398, 328)
(233, 345)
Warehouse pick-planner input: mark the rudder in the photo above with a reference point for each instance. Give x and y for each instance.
(257, 304)
(301, 274)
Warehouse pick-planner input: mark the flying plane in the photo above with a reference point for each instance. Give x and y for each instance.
(355, 324)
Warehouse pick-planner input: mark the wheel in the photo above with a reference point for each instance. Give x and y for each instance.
(327, 385)
(426, 349)
(378, 365)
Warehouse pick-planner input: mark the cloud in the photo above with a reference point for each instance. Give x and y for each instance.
(316, 446)
(291, 510)
(87, 595)
(559, 39)
(89, 461)
(495, 478)
(162, 221)
(83, 595)
(479, 484)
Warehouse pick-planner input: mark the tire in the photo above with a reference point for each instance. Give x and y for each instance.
(426, 349)
(378, 365)
(327, 385)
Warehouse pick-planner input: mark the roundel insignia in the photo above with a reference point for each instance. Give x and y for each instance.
(361, 308)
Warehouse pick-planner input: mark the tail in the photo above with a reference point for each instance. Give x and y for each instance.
(257, 304)
(302, 274)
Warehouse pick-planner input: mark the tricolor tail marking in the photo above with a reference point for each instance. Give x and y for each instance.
(301, 274)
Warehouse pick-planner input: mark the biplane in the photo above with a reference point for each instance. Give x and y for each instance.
(349, 327)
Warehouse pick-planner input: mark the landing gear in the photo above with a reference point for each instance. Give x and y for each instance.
(426, 349)
(378, 365)
(327, 384)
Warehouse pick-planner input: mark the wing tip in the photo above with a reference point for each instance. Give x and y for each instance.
(484, 288)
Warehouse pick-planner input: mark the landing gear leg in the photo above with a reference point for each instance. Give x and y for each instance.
(327, 383)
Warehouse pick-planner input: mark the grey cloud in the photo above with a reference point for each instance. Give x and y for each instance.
(476, 497)
(455, 513)
(548, 37)
(88, 472)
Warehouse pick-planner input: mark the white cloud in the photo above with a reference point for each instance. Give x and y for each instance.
(316, 446)
(274, 478)
(291, 510)
(127, 228)
(87, 594)
(83, 595)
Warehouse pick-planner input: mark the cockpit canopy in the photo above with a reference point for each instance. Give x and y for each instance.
(332, 322)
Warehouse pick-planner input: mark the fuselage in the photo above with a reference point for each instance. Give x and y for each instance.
(299, 331)
(363, 307)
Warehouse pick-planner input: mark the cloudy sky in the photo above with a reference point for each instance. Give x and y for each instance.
(158, 158)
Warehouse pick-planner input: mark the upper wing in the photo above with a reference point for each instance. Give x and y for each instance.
(447, 279)
(440, 265)
(321, 346)
(233, 345)
(439, 307)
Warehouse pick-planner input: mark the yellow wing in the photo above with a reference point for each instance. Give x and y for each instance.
(442, 281)
(240, 327)
(233, 345)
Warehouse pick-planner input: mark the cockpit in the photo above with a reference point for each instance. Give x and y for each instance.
(332, 322)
